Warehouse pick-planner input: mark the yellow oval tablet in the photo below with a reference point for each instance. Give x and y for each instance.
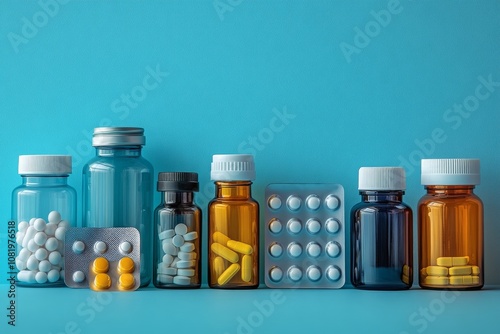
(126, 265)
(100, 265)
(126, 282)
(102, 281)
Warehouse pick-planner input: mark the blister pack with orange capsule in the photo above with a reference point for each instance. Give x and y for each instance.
(103, 259)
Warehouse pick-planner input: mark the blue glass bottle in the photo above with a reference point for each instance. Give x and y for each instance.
(382, 232)
(118, 187)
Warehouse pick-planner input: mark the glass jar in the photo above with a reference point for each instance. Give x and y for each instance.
(450, 226)
(44, 207)
(382, 231)
(233, 224)
(118, 187)
(177, 233)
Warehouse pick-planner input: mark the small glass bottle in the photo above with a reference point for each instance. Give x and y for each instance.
(118, 187)
(382, 232)
(233, 224)
(177, 233)
(44, 207)
(450, 226)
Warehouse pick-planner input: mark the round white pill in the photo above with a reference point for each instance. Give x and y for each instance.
(60, 232)
(26, 276)
(50, 229)
(78, 276)
(294, 226)
(294, 249)
(24, 255)
(332, 226)
(333, 273)
(125, 247)
(100, 247)
(54, 217)
(41, 277)
(313, 249)
(167, 271)
(184, 264)
(166, 234)
(28, 236)
(187, 247)
(313, 202)
(276, 274)
(275, 250)
(32, 221)
(178, 240)
(275, 226)
(165, 279)
(190, 236)
(293, 203)
(332, 249)
(55, 258)
(294, 273)
(40, 238)
(274, 202)
(313, 226)
(313, 273)
(185, 272)
(181, 229)
(32, 263)
(78, 247)
(44, 266)
(63, 223)
(32, 246)
(182, 280)
(167, 259)
(23, 226)
(41, 254)
(21, 265)
(169, 248)
(332, 202)
(53, 275)
(19, 238)
(39, 224)
(186, 256)
(51, 244)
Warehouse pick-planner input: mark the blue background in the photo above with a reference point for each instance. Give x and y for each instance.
(227, 69)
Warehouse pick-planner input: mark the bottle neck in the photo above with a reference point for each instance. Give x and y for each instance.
(172, 197)
(53, 181)
(382, 196)
(233, 189)
(119, 151)
(450, 190)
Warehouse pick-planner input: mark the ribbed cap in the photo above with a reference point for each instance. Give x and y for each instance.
(382, 178)
(118, 136)
(450, 172)
(233, 167)
(45, 165)
(177, 181)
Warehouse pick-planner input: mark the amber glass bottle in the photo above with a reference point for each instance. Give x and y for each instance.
(233, 223)
(450, 228)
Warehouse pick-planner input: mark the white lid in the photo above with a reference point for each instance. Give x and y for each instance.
(232, 167)
(382, 178)
(44, 165)
(450, 172)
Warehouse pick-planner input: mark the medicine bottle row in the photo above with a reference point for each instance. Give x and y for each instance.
(118, 192)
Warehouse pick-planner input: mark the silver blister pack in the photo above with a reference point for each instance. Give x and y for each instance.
(102, 259)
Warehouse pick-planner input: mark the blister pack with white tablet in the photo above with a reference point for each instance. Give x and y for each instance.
(304, 236)
(103, 259)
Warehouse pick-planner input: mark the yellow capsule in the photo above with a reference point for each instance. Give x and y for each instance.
(406, 270)
(475, 279)
(228, 274)
(100, 265)
(126, 265)
(460, 270)
(246, 268)
(405, 279)
(102, 281)
(475, 270)
(225, 252)
(444, 261)
(437, 271)
(221, 238)
(126, 282)
(240, 247)
(219, 266)
(436, 280)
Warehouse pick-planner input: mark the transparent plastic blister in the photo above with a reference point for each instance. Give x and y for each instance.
(304, 236)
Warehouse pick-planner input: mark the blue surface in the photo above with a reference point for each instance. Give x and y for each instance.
(294, 82)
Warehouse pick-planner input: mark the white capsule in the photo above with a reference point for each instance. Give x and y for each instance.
(23, 226)
(40, 238)
(186, 256)
(165, 279)
(54, 217)
(185, 272)
(51, 244)
(178, 240)
(53, 275)
(32, 246)
(181, 229)
(24, 255)
(41, 277)
(21, 265)
(167, 259)
(187, 247)
(166, 234)
(41, 254)
(32, 263)
(60, 232)
(182, 280)
(55, 258)
(39, 224)
(30, 233)
(191, 236)
(26, 276)
(44, 266)
(50, 229)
